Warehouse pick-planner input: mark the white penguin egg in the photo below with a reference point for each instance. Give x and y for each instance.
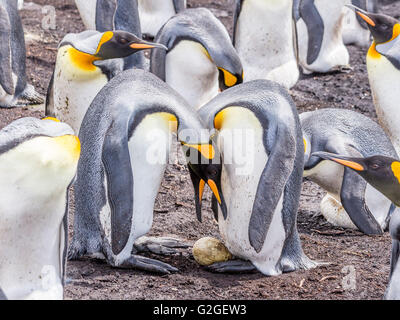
(208, 250)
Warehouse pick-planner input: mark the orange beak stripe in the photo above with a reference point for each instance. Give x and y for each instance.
(201, 190)
(350, 164)
(141, 46)
(214, 189)
(366, 19)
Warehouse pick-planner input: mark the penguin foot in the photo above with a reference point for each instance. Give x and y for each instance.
(160, 246)
(147, 264)
(232, 266)
(342, 69)
(30, 97)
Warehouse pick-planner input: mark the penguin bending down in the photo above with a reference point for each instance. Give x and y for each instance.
(267, 52)
(38, 161)
(351, 202)
(383, 64)
(355, 30)
(85, 63)
(14, 88)
(383, 173)
(319, 35)
(126, 137)
(155, 13)
(121, 15)
(259, 137)
(201, 59)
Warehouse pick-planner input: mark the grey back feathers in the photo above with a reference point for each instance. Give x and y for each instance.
(201, 26)
(391, 51)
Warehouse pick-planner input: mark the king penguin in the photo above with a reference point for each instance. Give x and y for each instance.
(267, 52)
(351, 202)
(259, 138)
(126, 138)
(319, 35)
(201, 59)
(355, 30)
(384, 174)
(121, 15)
(383, 64)
(38, 162)
(85, 63)
(14, 88)
(155, 13)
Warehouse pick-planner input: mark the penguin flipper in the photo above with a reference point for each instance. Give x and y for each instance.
(118, 170)
(6, 78)
(315, 28)
(105, 12)
(147, 264)
(232, 266)
(271, 187)
(236, 18)
(353, 201)
(2, 295)
(179, 5)
(49, 108)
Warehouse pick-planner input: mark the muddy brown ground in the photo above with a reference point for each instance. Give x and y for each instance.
(174, 209)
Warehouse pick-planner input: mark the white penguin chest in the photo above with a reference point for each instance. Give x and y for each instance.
(189, 70)
(266, 54)
(244, 161)
(154, 14)
(149, 149)
(75, 87)
(384, 80)
(87, 11)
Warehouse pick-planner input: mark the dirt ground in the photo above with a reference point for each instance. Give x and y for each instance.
(349, 252)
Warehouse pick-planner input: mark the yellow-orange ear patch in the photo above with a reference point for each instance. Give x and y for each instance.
(305, 145)
(107, 36)
(396, 169)
(229, 79)
(82, 60)
(70, 143)
(51, 118)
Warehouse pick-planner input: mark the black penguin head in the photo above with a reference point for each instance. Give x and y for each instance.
(383, 28)
(228, 79)
(120, 44)
(383, 173)
(205, 167)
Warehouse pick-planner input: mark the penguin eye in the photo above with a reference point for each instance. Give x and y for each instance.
(123, 41)
(375, 166)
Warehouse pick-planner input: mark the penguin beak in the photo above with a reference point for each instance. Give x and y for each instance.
(229, 79)
(351, 163)
(363, 15)
(143, 45)
(216, 189)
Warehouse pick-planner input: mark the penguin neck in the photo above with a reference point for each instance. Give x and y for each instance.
(373, 53)
(190, 71)
(82, 60)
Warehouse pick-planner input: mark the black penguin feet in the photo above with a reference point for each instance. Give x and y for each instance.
(232, 266)
(147, 264)
(160, 246)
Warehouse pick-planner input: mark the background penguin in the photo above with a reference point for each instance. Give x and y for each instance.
(155, 13)
(14, 89)
(384, 174)
(201, 58)
(106, 15)
(267, 52)
(319, 30)
(350, 202)
(355, 30)
(38, 161)
(260, 182)
(126, 137)
(383, 64)
(80, 71)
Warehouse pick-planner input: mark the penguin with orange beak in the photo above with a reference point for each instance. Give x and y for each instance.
(383, 64)
(85, 63)
(384, 174)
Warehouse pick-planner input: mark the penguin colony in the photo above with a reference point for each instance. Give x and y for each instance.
(112, 117)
